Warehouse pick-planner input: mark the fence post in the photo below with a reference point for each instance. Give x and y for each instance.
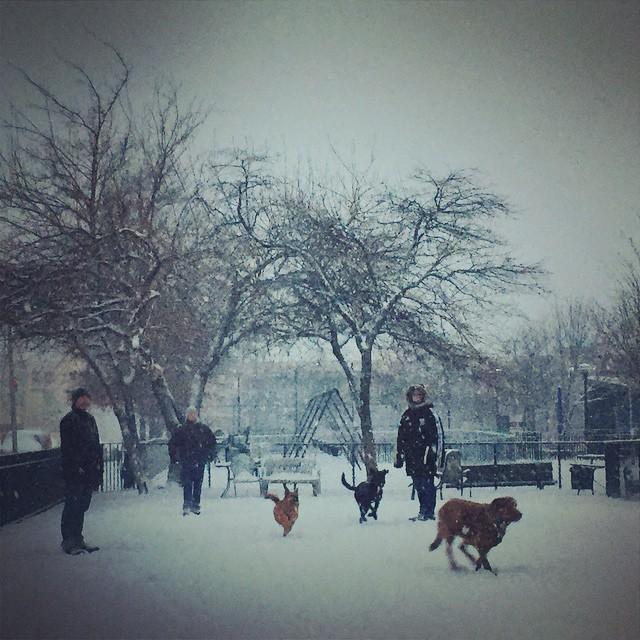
(495, 465)
(559, 465)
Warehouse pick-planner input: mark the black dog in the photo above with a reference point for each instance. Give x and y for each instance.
(368, 494)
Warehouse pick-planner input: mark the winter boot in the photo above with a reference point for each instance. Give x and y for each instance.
(195, 509)
(422, 517)
(88, 547)
(72, 547)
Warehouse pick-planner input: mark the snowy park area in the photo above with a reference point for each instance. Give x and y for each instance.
(568, 569)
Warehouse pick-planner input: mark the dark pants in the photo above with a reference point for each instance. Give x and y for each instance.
(191, 478)
(76, 502)
(426, 491)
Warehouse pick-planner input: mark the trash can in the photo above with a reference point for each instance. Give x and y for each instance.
(582, 476)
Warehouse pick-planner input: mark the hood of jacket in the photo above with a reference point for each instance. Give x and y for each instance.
(417, 405)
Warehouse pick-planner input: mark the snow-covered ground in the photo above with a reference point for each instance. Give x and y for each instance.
(569, 569)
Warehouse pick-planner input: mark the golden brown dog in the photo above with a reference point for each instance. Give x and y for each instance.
(286, 510)
(480, 525)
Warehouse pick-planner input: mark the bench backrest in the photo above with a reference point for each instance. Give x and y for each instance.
(293, 465)
(523, 472)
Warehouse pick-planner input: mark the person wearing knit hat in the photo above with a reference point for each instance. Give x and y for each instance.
(416, 448)
(81, 468)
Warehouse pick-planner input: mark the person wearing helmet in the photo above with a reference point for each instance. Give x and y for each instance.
(416, 448)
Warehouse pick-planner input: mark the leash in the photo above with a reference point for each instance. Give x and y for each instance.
(440, 455)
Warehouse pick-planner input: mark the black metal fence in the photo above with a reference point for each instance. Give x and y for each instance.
(29, 483)
(113, 457)
(562, 453)
(487, 452)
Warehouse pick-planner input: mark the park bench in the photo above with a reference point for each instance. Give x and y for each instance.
(515, 474)
(289, 471)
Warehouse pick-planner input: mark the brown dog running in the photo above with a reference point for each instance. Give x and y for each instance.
(480, 525)
(286, 510)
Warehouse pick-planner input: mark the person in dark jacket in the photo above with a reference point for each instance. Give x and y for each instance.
(416, 448)
(81, 468)
(192, 445)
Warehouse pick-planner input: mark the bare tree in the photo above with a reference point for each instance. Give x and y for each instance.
(620, 325)
(96, 212)
(370, 269)
(230, 292)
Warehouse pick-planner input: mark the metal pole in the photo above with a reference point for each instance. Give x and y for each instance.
(559, 466)
(295, 400)
(630, 410)
(586, 416)
(13, 388)
(239, 424)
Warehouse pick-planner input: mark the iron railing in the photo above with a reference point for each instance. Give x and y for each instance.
(113, 460)
(491, 452)
(29, 483)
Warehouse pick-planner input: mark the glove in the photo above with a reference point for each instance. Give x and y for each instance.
(398, 463)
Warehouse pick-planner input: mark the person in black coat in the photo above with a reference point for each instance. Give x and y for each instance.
(416, 448)
(192, 445)
(81, 469)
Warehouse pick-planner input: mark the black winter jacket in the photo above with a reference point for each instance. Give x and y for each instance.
(417, 432)
(192, 444)
(81, 449)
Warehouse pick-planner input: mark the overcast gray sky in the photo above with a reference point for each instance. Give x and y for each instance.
(543, 98)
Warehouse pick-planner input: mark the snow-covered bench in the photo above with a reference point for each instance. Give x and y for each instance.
(291, 471)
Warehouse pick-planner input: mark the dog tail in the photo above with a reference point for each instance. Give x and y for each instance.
(435, 544)
(346, 484)
(270, 496)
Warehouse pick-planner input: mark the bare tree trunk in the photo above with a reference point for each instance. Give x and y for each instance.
(171, 414)
(124, 410)
(166, 403)
(127, 420)
(203, 378)
(364, 411)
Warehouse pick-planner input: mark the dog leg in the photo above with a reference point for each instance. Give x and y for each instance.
(363, 514)
(452, 562)
(486, 565)
(464, 550)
